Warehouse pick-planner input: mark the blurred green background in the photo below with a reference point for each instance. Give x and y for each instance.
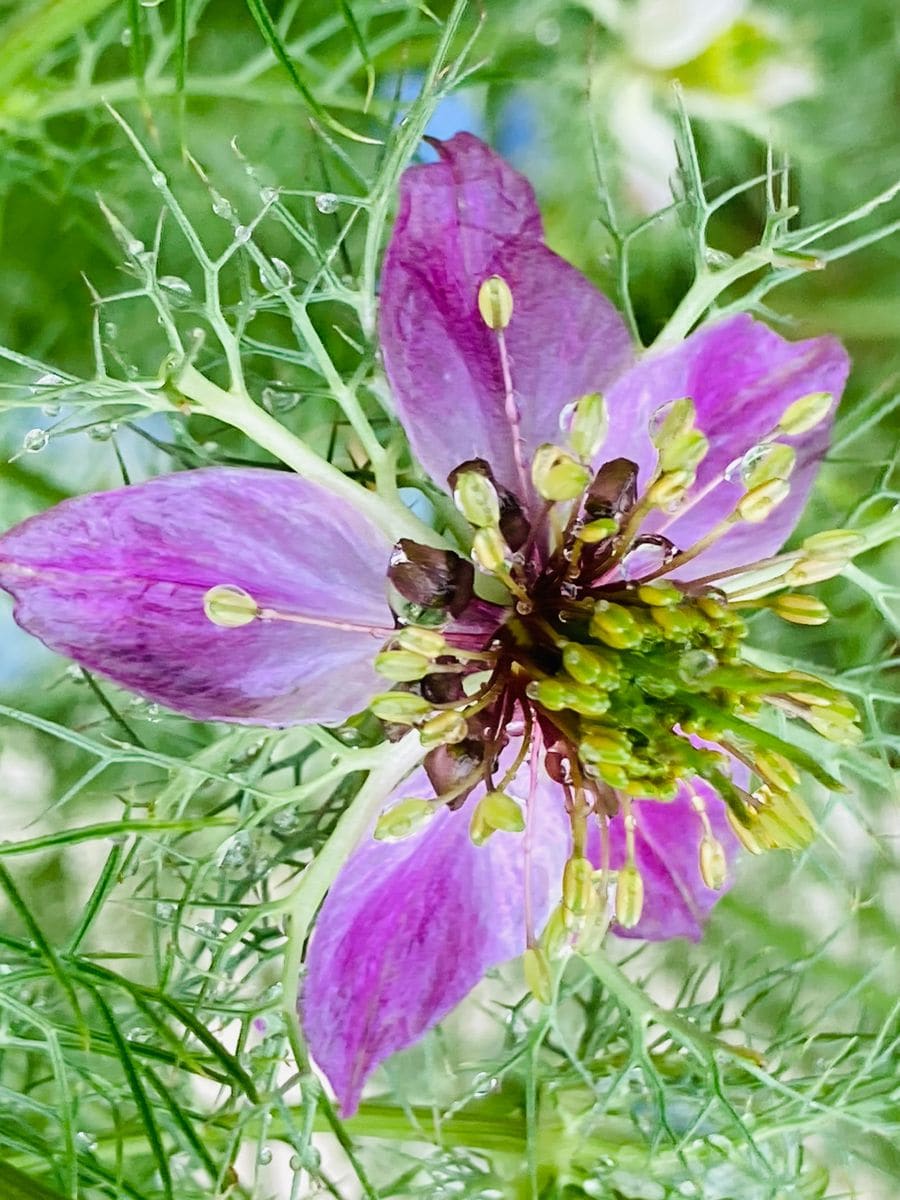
(580, 96)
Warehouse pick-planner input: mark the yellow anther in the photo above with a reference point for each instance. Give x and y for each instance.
(476, 498)
(713, 864)
(403, 819)
(537, 974)
(589, 666)
(806, 413)
(230, 607)
(683, 453)
(672, 421)
(495, 302)
(498, 810)
(669, 489)
(402, 666)
(615, 625)
(489, 550)
(799, 610)
(758, 503)
(814, 569)
(578, 886)
(602, 746)
(674, 622)
(422, 641)
(556, 475)
(444, 729)
(599, 530)
(589, 427)
(841, 543)
(629, 896)
(401, 708)
(661, 594)
(764, 463)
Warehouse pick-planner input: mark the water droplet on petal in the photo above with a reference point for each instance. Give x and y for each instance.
(646, 556)
(327, 202)
(35, 440)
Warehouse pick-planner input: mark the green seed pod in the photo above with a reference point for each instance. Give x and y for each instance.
(756, 505)
(229, 607)
(660, 594)
(556, 475)
(615, 625)
(806, 413)
(402, 666)
(401, 708)
(589, 666)
(537, 974)
(404, 819)
(602, 746)
(629, 896)
(589, 427)
(495, 302)
(476, 498)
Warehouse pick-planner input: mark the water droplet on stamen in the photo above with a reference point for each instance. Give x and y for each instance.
(268, 195)
(174, 283)
(327, 202)
(35, 440)
(222, 207)
(158, 179)
(242, 234)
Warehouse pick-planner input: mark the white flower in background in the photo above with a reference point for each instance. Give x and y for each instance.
(736, 63)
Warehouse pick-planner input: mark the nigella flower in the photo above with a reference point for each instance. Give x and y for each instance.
(589, 726)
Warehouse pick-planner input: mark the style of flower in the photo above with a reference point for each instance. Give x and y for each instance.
(588, 723)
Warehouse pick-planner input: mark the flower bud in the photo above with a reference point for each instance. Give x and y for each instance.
(552, 694)
(428, 642)
(476, 498)
(229, 607)
(537, 974)
(615, 626)
(757, 504)
(404, 819)
(674, 622)
(402, 708)
(799, 610)
(713, 864)
(444, 729)
(589, 666)
(402, 666)
(556, 475)
(599, 530)
(489, 550)
(589, 426)
(495, 302)
(629, 896)
(806, 413)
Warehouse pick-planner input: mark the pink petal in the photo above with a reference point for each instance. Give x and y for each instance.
(461, 220)
(742, 377)
(410, 927)
(116, 581)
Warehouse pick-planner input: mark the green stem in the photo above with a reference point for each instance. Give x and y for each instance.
(392, 517)
(398, 760)
(704, 292)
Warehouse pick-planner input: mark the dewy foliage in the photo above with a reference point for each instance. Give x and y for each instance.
(156, 875)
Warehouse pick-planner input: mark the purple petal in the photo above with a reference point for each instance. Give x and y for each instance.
(460, 221)
(742, 377)
(410, 927)
(676, 900)
(116, 581)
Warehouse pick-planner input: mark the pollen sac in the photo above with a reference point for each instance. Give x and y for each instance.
(514, 525)
(495, 302)
(497, 810)
(230, 607)
(556, 475)
(756, 505)
(806, 413)
(613, 490)
(476, 498)
(629, 896)
(430, 578)
(684, 452)
(402, 708)
(800, 610)
(589, 426)
(672, 421)
(713, 863)
(402, 666)
(489, 550)
(615, 626)
(761, 464)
